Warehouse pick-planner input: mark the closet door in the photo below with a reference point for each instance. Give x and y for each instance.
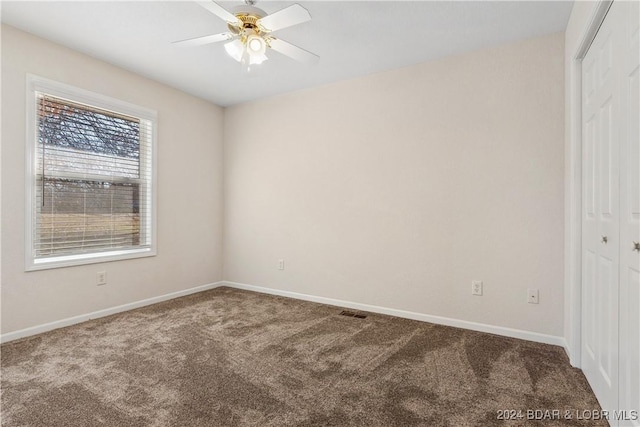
(600, 218)
(630, 218)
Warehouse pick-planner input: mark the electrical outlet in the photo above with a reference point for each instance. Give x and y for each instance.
(476, 287)
(532, 296)
(101, 278)
(280, 264)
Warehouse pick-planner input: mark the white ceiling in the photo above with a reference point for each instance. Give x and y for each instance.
(352, 38)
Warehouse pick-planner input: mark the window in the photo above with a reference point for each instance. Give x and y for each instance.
(91, 177)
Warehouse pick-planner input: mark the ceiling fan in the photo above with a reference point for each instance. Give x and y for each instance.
(250, 29)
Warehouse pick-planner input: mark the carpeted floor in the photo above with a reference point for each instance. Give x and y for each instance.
(227, 357)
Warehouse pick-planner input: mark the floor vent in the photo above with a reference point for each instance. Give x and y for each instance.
(352, 314)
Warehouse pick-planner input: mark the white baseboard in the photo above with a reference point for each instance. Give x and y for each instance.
(567, 350)
(464, 324)
(574, 357)
(102, 313)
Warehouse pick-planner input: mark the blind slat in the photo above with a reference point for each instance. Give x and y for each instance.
(92, 180)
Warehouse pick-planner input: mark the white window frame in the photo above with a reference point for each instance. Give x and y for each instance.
(40, 84)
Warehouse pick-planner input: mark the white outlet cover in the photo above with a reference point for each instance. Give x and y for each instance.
(102, 277)
(476, 287)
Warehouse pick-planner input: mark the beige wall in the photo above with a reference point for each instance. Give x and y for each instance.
(395, 189)
(189, 191)
(399, 188)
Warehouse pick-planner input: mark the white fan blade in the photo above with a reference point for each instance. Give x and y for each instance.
(220, 11)
(287, 17)
(197, 41)
(293, 51)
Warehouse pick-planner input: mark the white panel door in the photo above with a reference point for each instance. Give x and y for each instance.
(601, 223)
(630, 219)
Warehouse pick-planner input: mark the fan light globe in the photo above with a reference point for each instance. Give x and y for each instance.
(257, 59)
(255, 45)
(235, 49)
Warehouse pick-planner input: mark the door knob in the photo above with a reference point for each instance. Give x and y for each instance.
(636, 246)
(605, 239)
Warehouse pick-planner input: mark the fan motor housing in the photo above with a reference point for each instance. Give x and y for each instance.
(249, 15)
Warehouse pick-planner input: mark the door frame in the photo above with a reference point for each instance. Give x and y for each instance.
(573, 185)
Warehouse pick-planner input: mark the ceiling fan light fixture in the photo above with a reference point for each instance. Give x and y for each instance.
(235, 49)
(257, 59)
(245, 53)
(256, 45)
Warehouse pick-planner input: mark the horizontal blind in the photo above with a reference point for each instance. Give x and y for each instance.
(93, 179)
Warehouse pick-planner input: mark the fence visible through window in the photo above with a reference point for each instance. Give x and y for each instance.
(92, 179)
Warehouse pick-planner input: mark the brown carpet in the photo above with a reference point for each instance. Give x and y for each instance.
(227, 357)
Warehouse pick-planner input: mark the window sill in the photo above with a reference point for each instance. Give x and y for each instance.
(74, 260)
